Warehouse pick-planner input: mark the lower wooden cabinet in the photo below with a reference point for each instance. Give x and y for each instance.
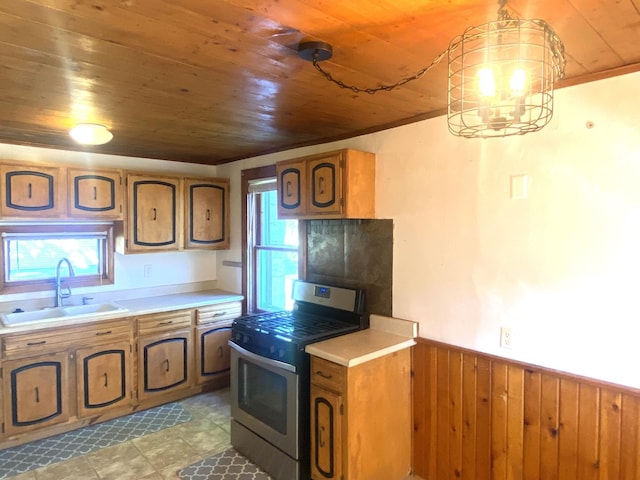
(104, 378)
(361, 419)
(36, 392)
(58, 379)
(165, 353)
(213, 332)
(213, 357)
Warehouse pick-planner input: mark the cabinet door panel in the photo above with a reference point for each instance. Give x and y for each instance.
(165, 362)
(30, 191)
(103, 378)
(326, 434)
(207, 212)
(153, 215)
(37, 390)
(95, 194)
(326, 185)
(291, 183)
(213, 356)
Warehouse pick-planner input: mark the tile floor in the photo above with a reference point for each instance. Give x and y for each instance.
(156, 456)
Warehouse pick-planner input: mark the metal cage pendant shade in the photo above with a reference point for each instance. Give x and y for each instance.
(501, 77)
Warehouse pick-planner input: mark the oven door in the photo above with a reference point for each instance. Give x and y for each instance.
(264, 398)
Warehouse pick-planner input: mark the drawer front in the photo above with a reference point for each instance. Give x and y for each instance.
(218, 313)
(327, 374)
(161, 322)
(31, 343)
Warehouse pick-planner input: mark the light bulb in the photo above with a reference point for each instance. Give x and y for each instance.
(518, 82)
(486, 82)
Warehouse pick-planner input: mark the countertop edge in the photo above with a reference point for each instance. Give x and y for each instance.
(135, 307)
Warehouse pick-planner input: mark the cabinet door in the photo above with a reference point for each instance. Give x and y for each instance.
(213, 356)
(206, 213)
(95, 194)
(31, 191)
(292, 189)
(164, 363)
(104, 378)
(153, 213)
(326, 434)
(325, 184)
(36, 392)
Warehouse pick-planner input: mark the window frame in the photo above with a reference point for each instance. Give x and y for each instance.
(248, 176)
(108, 253)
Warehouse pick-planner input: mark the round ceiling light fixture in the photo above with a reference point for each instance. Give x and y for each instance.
(91, 134)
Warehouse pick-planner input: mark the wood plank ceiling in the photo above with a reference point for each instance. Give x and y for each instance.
(213, 81)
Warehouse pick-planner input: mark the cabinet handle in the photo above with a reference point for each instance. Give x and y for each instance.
(95, 193)
(167, 367)
(288, 188)
(155, 214)
(37, 395)
(108, 332)
(29, 190)
(41, 342)
(168, 322)
(219, 314)
(324, 375)
(208, 214)
(321, 185)
(106, 380)
(220, 352)
(321, 440)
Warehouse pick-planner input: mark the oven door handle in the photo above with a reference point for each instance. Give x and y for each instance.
(260, 359)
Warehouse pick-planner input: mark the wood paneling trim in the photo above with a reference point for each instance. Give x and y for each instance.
(479, 416)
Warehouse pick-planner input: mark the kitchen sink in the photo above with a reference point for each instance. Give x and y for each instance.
(60, 313)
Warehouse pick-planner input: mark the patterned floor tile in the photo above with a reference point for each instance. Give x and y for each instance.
(69, 445)
(228, 465)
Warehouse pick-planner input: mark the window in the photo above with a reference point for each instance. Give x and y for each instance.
(271, 249)
(31, 253)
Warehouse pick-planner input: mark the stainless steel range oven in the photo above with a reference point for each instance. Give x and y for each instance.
(270, 374)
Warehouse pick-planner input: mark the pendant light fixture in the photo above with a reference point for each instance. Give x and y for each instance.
(501, 76)
(91, 134)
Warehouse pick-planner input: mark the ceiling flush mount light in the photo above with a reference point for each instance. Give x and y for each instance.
(91, 134)
(501, 76)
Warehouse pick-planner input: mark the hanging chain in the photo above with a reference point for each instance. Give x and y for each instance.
(386, 88)
(556, 46)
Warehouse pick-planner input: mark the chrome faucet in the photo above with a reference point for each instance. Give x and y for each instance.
(60, 295)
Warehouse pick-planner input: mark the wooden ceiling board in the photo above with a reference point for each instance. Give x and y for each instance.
(215, 81)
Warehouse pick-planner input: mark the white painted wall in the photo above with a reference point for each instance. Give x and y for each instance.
(561, 268)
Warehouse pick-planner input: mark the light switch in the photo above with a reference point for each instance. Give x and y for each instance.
(519, 187)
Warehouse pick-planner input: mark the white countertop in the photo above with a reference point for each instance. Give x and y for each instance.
(136, 307)
(177, 301)
(385, 335)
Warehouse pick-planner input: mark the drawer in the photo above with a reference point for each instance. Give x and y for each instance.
(161, 322)
(327, 374)
(220, 312)
(56, 339)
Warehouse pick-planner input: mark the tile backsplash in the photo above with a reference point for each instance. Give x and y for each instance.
(356, 254)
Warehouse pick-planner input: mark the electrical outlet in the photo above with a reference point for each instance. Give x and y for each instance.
(506, 337)
(147, 270)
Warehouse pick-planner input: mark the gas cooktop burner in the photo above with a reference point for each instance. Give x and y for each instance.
(292, 326)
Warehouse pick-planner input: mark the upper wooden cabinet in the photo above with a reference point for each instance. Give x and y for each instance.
(206, 222)
(338, 184)
(153, 213)
(94, 193)
(31, 191)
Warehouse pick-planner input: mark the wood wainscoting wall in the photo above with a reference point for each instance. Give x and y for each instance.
(479, 417)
